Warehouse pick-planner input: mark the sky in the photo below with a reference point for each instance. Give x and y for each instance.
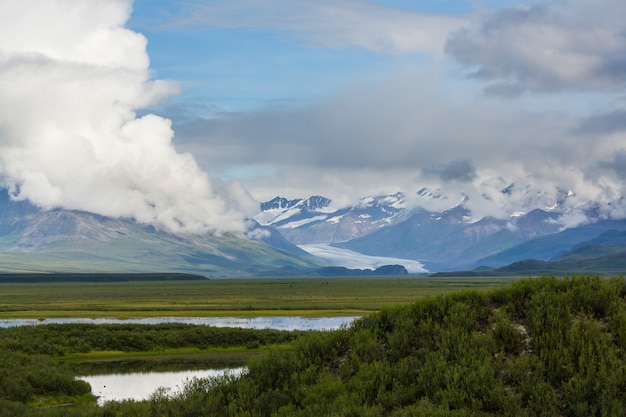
(188, 113)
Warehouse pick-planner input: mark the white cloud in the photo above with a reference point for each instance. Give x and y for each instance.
(329, 23)
(550, 46)
(71, 78)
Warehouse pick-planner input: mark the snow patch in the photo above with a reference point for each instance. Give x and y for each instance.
(273, 216)
(335, 219)
(298, 223)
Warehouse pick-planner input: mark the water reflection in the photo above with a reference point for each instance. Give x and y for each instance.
(276, 323)
(141, 385)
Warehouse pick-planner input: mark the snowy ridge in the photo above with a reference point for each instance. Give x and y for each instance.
(299, 223)
(312, 220)
(281, 212)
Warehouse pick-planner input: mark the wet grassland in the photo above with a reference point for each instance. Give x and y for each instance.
(39, 363)
(319, 297)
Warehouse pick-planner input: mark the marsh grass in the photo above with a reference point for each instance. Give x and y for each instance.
(227, 297)
(168, 361)
(157, 355)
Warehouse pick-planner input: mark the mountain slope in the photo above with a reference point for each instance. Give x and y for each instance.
(73, 241)
(551, 246)
(450, 240)
(607, 264)
(607, 243)
(611, 264)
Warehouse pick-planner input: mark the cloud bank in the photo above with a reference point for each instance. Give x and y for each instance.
(546, 47)
(71, 80)
(411, 132)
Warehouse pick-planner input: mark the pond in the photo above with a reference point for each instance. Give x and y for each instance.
(142, 385)
(269, 322)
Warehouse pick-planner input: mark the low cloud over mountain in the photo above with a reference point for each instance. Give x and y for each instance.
(72, 78)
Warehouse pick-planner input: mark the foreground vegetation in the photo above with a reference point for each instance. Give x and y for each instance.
(541, 347)
(38, 363)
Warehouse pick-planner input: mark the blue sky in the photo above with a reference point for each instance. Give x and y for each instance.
(233, 68)
(340, 98)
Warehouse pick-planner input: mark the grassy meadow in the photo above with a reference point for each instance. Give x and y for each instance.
(227, 297)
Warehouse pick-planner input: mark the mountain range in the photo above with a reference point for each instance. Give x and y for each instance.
(448, 240)
(298, 237)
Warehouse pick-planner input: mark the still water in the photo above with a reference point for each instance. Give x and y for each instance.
(142, 385)
(277, 323)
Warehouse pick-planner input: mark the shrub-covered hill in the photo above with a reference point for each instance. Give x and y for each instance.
(543, 347)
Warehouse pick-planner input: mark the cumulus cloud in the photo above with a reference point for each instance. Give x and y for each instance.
(329, 23)
(71, 79)
(551, 46)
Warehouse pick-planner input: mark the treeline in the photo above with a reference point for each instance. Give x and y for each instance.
(31, 278)
(61, 339)
(542, 347)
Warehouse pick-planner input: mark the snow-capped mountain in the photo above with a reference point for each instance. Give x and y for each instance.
(311, 220)
(451, 238)
(282, 213)
(314, 203)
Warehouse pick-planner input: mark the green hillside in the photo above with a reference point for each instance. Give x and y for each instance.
(608, 264)
(607, 243)
(612, 263)
(70, 241)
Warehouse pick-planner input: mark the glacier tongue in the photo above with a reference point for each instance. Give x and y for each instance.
(355, 260)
